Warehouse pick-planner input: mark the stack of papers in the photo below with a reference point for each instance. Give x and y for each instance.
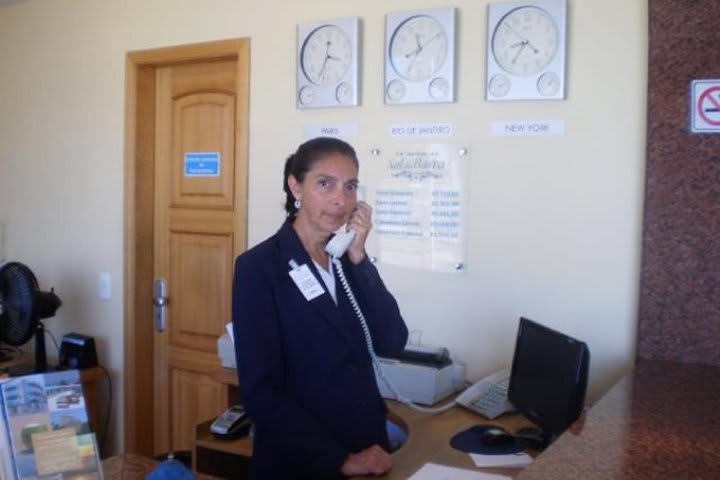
(435, 471)
(509, 460)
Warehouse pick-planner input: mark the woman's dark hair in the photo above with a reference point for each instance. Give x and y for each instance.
(300, 162)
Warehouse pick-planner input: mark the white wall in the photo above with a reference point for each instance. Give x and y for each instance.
(554, 224)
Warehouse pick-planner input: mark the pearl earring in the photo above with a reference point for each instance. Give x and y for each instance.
(297, 204)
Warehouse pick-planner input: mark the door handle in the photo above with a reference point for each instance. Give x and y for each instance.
(160, 302)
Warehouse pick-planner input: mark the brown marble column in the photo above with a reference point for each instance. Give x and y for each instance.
(679, 317)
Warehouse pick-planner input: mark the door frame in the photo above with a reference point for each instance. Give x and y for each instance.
(139, 163)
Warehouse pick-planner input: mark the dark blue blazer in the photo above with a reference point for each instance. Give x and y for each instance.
(304, 369)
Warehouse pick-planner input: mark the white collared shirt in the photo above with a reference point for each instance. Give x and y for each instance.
(328, 278)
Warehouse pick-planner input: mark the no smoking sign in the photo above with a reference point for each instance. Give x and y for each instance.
(705, 106)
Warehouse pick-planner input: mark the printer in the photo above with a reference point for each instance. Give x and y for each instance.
(421, 374)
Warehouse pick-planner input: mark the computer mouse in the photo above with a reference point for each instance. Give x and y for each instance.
(496, 436)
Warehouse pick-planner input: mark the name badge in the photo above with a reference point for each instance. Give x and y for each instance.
(306, 282)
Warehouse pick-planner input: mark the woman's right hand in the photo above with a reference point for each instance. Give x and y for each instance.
(371, 461)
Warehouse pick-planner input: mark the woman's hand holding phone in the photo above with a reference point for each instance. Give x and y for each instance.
(361, 222)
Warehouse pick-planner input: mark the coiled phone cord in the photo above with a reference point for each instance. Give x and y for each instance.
(368, 341)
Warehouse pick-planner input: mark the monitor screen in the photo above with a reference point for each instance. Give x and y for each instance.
(548, 377)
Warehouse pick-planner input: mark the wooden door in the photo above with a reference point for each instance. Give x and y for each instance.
(195, 218)
(195, 210)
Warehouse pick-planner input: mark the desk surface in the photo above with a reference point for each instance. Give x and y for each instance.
(660, 421)
(428, 436)
(429, 439)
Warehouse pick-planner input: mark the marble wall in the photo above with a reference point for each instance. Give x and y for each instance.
(679, 316)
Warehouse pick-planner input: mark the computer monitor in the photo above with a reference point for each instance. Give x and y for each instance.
(548, 380)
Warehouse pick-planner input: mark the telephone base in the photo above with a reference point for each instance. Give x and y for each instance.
(235, 434)
(423, 384)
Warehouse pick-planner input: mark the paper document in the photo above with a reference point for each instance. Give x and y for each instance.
(435, 471)
(229, 329)
(510, 460)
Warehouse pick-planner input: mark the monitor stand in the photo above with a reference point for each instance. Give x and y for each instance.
(534, 438)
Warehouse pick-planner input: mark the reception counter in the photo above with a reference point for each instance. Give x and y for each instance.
(659, 421)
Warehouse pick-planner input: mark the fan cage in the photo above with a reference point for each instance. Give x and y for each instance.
(18, 290)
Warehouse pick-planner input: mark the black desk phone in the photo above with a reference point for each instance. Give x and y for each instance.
(232, 423)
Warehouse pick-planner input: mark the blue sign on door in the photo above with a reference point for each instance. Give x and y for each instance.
(202, 164)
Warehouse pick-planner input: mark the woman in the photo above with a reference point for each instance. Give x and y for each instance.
(304, 368)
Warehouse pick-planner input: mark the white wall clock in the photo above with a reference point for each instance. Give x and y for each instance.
(327, 63)
(526, 48)
(420, 56)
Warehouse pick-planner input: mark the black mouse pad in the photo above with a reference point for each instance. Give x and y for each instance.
(470, 441)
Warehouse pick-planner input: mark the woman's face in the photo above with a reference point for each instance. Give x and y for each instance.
(328, 193)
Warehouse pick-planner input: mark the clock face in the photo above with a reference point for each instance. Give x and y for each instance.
(526, 50)
(420, 56)
(548, 84)
(396, 90)
(327, 63)
(439, 88)
(525, 41)
(418, 48)
(344, 93)
(326, 55)
(499, 85)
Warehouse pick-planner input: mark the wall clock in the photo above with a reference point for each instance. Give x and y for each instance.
(327, 63)
(526, 48)
(420, 56)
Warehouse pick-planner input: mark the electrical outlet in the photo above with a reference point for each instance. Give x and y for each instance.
(105, 286)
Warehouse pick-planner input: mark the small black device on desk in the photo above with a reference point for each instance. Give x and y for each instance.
(232, 423)
(77, 351)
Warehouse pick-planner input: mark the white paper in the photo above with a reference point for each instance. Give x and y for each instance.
(229, 330)
(435, 471)
(306, 282)
(511, 460)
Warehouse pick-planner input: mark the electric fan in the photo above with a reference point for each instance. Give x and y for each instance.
(22, 306)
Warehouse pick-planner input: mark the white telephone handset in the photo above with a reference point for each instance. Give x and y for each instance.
(339, 244)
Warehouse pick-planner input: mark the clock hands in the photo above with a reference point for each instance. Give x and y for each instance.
(524, 42)
(321, 73)
(416, 51)
(522, 45)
